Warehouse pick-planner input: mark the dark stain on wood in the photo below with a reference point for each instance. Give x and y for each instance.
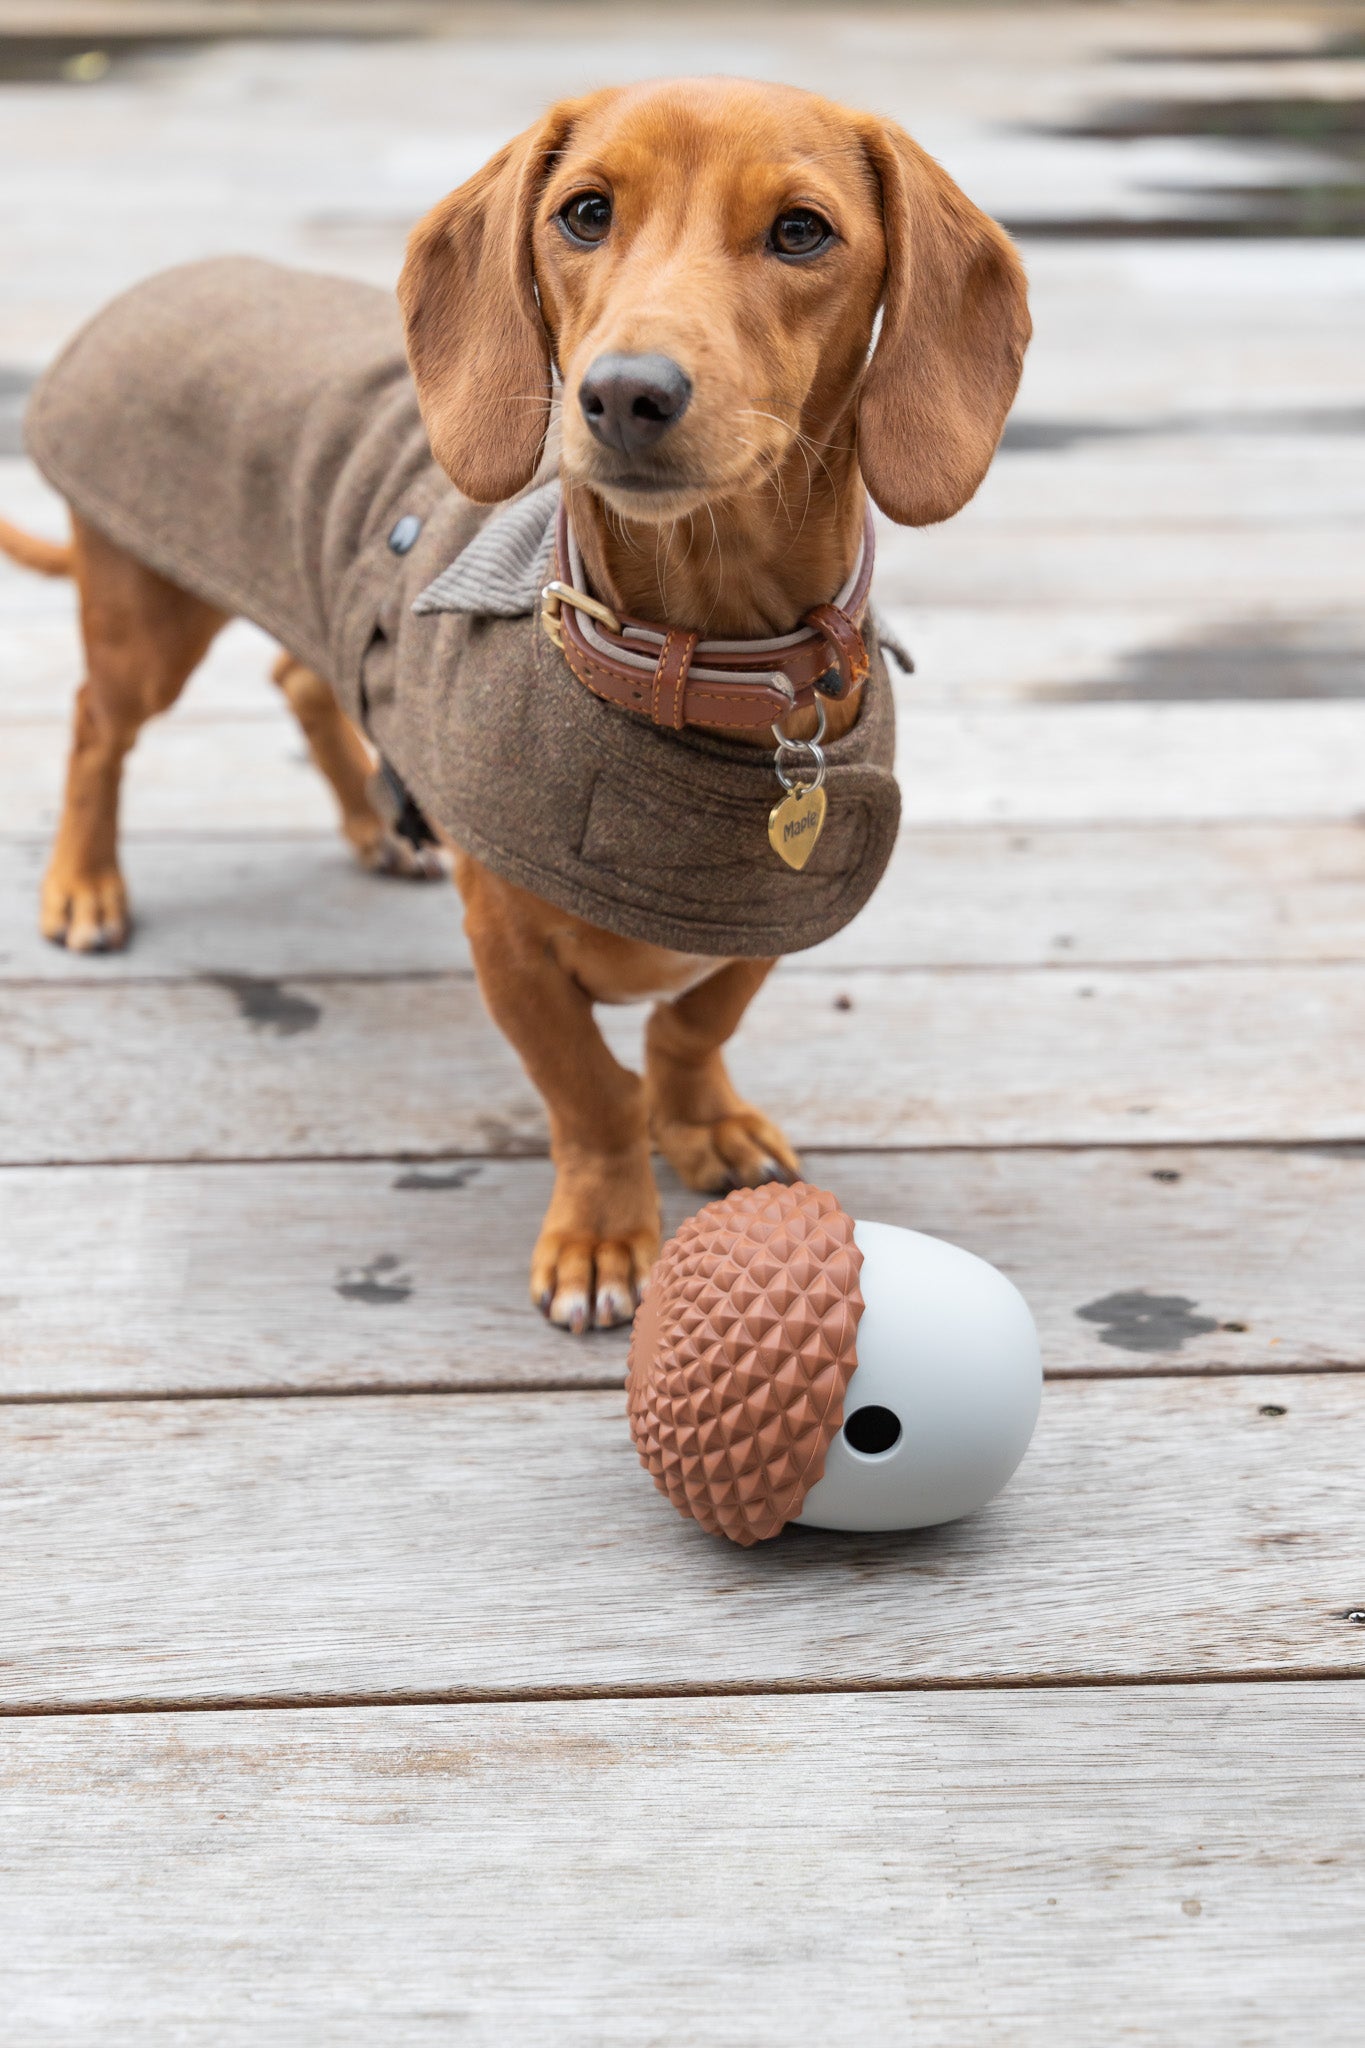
(267, 1005)
(1238, 660)
(1134, 1320)
(416, 1180)
(1286, 127)
(1041, 436)
(380, 1283)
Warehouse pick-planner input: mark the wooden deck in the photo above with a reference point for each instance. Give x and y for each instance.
(355, 1684)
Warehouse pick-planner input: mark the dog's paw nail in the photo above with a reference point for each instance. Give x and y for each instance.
(772, 1171)
(615, 1305)
(570, 1311)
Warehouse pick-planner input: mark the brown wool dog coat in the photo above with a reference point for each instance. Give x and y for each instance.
(252, 433)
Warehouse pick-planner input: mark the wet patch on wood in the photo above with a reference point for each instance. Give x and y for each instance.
(1134, 1320)
(1240, 659)
(267, 1005)
(382, 1282)
(1041, 436)
(419, 1180)
(1294, 198)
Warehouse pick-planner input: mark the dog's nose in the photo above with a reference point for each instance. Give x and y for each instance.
(630, 402)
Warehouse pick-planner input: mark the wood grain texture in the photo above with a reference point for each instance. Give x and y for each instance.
(184, 775)
(982, 896)
(1129, 763)
(1215, 475)
(970, 653)
(225, 1279)
(294, 904)
(1012, 1867)
(988, 764)
(1062, 566)
(1032, 1868)
(428, 1546)
(357, 1068)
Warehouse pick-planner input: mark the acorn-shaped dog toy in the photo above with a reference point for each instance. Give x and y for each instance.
(790, 1364)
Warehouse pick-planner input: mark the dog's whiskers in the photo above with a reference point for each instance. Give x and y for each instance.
(770, 470)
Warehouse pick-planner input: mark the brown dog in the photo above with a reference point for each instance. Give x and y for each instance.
(703, 263)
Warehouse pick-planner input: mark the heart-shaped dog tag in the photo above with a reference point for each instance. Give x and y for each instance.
(795, 824)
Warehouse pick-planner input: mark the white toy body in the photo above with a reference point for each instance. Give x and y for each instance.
(946, 1344)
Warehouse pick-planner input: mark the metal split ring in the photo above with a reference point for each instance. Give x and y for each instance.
(810, 752)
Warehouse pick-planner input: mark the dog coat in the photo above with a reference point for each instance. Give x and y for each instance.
(252, 433)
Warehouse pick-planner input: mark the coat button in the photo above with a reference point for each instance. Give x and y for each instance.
(405, 533)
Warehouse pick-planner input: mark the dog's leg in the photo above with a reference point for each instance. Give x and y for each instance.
(143, 639)
(347, 764)
(601, 1230)
(713, 1140)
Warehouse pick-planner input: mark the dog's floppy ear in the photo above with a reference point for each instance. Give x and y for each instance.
(955, 325)
(478, 348)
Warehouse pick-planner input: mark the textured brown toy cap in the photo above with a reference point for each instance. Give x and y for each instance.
(741, 1354)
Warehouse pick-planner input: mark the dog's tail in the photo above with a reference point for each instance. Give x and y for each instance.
(30, 551)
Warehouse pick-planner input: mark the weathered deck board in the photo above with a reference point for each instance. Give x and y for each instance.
(1170, 654)
(964, 1869)
(223, 1279)
(1219, 476)
(1141, 330)
(971, 563)
(984, 896)
(466, 1545)
(141, 1070)
(1099, 764)
(502, 1543)
(185, 775)
(301, 904)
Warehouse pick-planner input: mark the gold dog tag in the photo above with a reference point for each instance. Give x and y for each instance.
(795, 824)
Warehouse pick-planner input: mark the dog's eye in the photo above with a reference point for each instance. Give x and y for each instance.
(799, 232)
(586, 218)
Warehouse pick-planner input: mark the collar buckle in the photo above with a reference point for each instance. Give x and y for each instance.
(556, 594)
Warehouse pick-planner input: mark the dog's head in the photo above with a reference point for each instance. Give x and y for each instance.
(704, 261)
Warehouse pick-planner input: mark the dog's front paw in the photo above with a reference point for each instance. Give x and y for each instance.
(590, 1283)
(86, 913)
(740, 1150)
(598, 1241)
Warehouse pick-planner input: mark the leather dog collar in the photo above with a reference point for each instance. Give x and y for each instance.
(678, 679)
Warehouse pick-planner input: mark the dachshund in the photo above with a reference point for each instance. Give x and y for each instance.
(732, 311)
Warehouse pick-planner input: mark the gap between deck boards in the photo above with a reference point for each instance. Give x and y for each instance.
(784, 1688)
(792, 964)
(614, 1383)
(1346, 1147)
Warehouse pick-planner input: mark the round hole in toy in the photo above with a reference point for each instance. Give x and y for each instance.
(872, 1431)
